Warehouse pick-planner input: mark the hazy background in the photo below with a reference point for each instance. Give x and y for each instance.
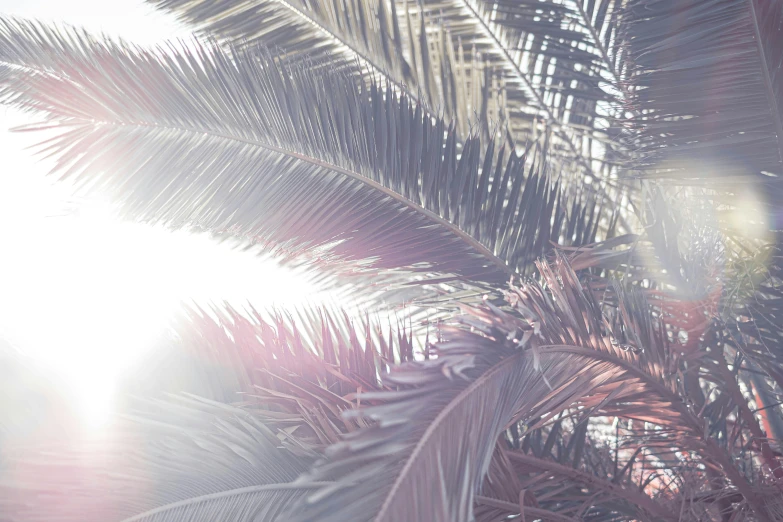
(83, 296)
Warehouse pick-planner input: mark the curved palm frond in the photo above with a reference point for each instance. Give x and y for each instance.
(226, 352)
(188, 457)
(568, 471)
(448, 413)
(183, 459)
(296, 370)
(381, 466)
(711, 295)
(238, 141)
(524, 66)
(343, 35)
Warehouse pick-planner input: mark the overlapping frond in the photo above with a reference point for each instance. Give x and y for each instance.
(393, 40)
(446, 417)
(523, 366)
(298, 370)
(524, 67)
(566, 470)
(367, 143)
(450, 410)
(238, 141)
(335, 34)
(561, 64)
(191, 458)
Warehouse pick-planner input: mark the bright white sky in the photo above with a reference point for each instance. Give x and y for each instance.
(72, 281)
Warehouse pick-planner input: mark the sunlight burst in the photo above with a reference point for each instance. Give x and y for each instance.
(86, 295)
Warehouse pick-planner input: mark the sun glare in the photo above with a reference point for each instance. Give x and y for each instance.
(85, 294)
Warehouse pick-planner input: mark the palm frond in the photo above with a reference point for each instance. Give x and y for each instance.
(493, 377)
(297, 369)
(707, 88)
(571, 357)
(517, 66)
(664, 376)
(564, 471)
(561, 65)
(183, 459)
(238, 141)
(389, 39)
(710, 295)
(341, 35)
(188, 457)
(506, 367)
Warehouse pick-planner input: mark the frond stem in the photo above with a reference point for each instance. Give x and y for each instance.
(464, 236)
(602, 49)
(435, 424)
(529, 87)
(367, 60)
(286, 486)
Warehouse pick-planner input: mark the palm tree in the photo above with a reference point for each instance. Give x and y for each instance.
(607, 157)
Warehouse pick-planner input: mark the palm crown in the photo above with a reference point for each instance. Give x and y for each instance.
(594, 153)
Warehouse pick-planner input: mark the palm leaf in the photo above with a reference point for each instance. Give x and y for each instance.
(569, 479)
(561, 64)
(297, 370)
(340, 34)
(617, 357)
(194, 459)
(237, 141)
(388, 39)
(707, 88)
(190, 458)
(505, 367)
(184, 459)
(711, 294)
(472, 374)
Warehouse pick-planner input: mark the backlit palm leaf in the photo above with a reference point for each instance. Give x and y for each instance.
(392, 40)
(184, 459)
(707, 77)
(190, 458)
(561, 65)
(239, 142)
